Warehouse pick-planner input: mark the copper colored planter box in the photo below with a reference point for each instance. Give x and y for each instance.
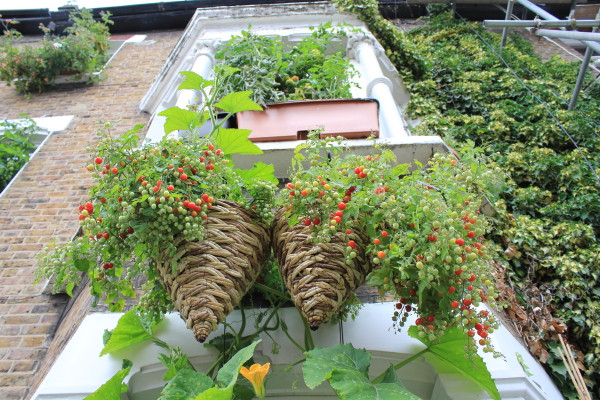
(292, 120)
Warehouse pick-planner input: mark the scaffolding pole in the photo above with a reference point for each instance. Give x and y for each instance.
(538, 23)
(582, 71)
(576, 35)
(549, 17)
(509, 8)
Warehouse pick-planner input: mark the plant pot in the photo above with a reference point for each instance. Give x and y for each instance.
(213, 274)
(316, 275)
(292, 120)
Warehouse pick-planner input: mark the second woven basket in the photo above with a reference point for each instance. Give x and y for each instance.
(213, 274)
(316, 274)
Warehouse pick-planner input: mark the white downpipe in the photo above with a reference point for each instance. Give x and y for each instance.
(203, 64)
(379, 87)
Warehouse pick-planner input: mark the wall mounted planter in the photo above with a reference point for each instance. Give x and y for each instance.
(292, 120)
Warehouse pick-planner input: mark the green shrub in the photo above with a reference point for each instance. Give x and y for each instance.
(33, 68)
(15, 147)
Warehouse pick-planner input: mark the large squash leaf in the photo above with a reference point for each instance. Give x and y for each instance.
(260, 171)
(193, 81)
(237, 102)
(448, 354)
(180, 119)
(348, 362)
(186, 385)
(235, 141)
(129, 331)
(112, 389)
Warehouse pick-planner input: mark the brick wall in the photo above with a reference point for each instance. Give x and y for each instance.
(40, 205)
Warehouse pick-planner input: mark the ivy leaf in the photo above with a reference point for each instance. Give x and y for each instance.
(235, 141)
(260, 171)
(237, 102)
(129, 331)
(193, 81)
(185, 385)
(112, 389)
(448, 354)
(320, 364)
(179, 119)
(228, 374)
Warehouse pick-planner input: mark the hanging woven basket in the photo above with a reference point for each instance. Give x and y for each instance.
(214, 274)
(316, 275)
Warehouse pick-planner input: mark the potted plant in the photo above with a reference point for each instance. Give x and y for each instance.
(418, 235)
(302, 87)
(80, 54)
(177, 212)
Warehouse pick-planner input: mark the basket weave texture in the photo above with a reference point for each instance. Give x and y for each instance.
(214, 274)
(316, 274)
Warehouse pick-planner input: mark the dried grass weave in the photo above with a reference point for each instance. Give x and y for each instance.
(214, 274)
(316, 274)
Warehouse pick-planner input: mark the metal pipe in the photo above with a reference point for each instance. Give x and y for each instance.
(547, 16)
(568, 34)
(539, 11)
(536, 23)
(508, 17)
(582, 71)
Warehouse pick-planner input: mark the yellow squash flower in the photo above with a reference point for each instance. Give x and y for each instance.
(256, 375)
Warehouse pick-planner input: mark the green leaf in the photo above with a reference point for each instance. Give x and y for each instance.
(260, 171)
(389, 376)
(400, 169)
(193, 81)
(81, 264)
(448, 354)
(178, 118)
(321, 363)
(228, 374)
(112, 389)
(129, 331)
(353, 390)
(69, 288)
(216, 393)
(235, 141)
(139, 249)
(237, 102)
(185, 385)
(241, 392)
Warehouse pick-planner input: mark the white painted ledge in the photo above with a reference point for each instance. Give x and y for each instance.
(79, 371)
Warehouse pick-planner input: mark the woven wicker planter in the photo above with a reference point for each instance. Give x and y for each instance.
(316, 275)
(214, 274)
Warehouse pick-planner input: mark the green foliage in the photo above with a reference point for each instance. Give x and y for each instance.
(112, 389)
(401, 51)
(553, 190)
(187, 384)
(15, 147)
(446, 355)
(346, 369)
(316, 68)
(129, 331)
(34, 68)
(148, 197)
(425, 229)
